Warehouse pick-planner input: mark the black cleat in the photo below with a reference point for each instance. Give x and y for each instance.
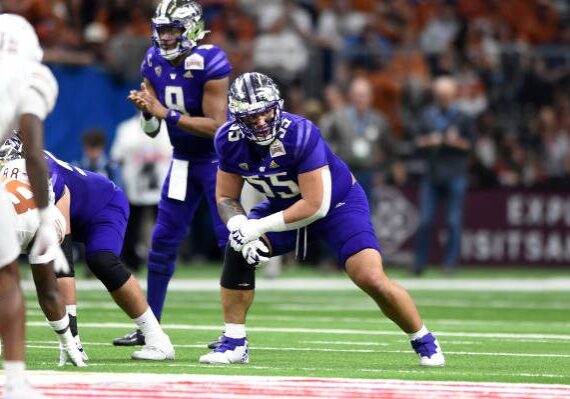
(136, 338)
(215, 343)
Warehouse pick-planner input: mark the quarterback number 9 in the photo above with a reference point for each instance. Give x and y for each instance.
(174, 98)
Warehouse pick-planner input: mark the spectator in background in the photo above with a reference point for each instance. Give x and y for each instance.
(130, 42)
(439, 32)
(94, 158)
(361, 137)
(444, 141)
(555, 144)
(280, 49)
(144, 164)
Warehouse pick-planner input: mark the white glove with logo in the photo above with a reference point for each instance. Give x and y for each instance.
(255, 253)
(242, 230)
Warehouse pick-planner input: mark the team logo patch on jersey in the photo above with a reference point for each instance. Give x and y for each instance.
(277, 149)
(172, 76)
(194, 61)
(244, 166)
(158, 71)
(273, 165)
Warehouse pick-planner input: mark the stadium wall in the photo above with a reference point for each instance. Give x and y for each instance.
(88, 98)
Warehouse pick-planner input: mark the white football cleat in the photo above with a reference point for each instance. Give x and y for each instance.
(429, 351)
(435, 360)
(156, 348)
(22, 391)
(231, 350)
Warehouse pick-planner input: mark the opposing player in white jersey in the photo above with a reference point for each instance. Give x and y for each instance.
(27, 94)
(14, 179)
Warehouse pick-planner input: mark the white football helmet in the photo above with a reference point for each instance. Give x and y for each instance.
(18, 37)
(184, 16)
(251, 94)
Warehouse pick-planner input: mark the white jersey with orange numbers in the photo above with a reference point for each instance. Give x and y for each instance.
(14, 180)
(26, 87)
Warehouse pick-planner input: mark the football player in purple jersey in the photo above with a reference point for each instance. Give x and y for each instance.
(311, 195)
(97, 211)
(184, 85)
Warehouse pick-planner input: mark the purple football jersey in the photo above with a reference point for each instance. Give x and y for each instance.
(181, 87)
(273, 170)
(90, 192)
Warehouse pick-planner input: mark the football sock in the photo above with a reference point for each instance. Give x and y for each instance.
(71, 310)
(148, 324)
(60, 326)
(422, 331)
(14, 372)
(235, 330)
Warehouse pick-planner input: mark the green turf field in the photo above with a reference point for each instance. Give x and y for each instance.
(500, 335)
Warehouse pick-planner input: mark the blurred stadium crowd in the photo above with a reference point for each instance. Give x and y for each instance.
(510, 58)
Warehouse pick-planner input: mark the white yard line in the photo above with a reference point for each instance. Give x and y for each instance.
(343, 284)
(41, 344)
(512, 336)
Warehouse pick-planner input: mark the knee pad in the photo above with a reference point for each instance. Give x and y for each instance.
(109, 269)
(67, 248)
(237, 274)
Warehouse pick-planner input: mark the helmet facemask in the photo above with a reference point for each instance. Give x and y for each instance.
(257, 107)
(177, 25)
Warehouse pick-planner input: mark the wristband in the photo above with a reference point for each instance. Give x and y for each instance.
(172, 118)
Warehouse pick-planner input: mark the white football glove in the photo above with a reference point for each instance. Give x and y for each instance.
(248, 231)
(69, 351)
(255, 253)
(46, 243)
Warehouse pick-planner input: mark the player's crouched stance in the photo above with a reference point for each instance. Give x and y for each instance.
(311, 195)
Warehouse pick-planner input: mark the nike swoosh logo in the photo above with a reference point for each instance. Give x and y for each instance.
(340, 204)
